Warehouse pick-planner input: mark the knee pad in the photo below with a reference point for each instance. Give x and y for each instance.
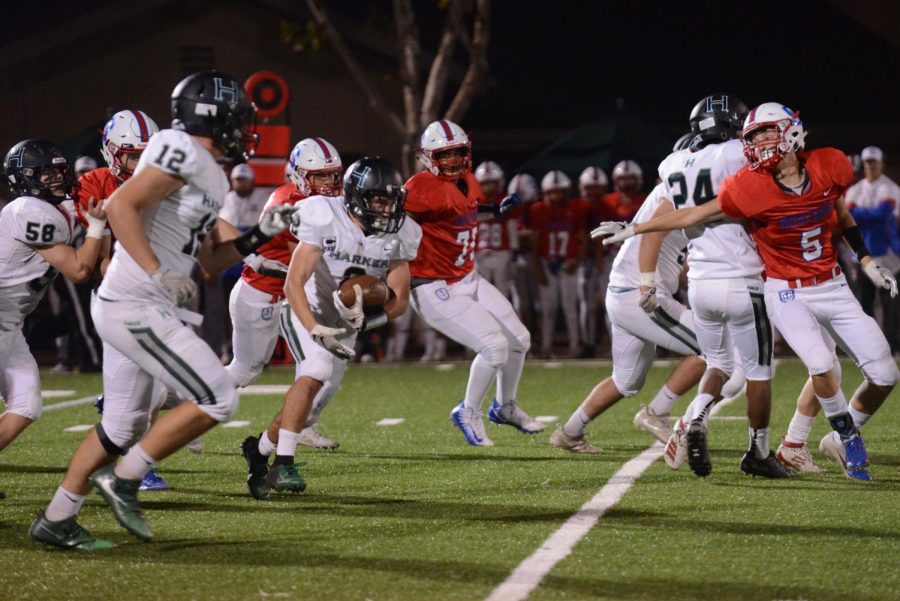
(316, 368)
(226, 401)
(243, 374)
(29, 405)
(883, 371)
(121, 432)
(522, 341)
(819, 360)
(496, 351)
(626, 388)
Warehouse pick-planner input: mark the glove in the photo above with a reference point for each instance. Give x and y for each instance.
(180, 287)
(264, 266)
(617, 231)
(353, 315)
(507, 204)
(881, 277)
(649, 302)
(327, 338)
(276, 220)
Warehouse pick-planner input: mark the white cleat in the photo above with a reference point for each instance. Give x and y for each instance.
(310, 437)
(833, 449)
(657, 425)
(575, 444)
(797, 457)
(676, 446)
(471, 424)
(510, 414)
(195, 446)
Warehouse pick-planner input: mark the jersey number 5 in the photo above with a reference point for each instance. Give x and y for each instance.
(468, 239)
(811, 244)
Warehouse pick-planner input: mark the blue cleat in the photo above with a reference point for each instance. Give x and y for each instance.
(512, 415)
(854, 458)
(153, 481)
(470, 422)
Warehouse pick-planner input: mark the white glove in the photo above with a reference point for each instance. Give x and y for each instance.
(180, 287)
(353, 315)
(264, 266)
(617, 231)
(276, 220)
(327, 338)
(881, 277)
(96, 227)
(649, 302)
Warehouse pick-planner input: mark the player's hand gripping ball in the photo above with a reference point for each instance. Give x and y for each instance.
(374, 291)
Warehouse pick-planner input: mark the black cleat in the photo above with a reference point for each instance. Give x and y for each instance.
(767, 468)
(697, 451)
(257, 468)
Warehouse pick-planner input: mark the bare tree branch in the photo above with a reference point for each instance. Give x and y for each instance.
(478, 63)
(410, 51)
(440, 67)
(376, 100)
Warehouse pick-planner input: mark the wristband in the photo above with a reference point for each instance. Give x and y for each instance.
(854, 238)
(247, 243)
(648, 279)
(374, 321)
(96, 228)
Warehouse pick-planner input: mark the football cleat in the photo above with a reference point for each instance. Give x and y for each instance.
(657, 425)
(285, 478)
(195, 446)
(153, 481)
(257, 468)
(796, 456)
(510, 414)
(575, 444)
(836, 449)
(121, 496)
(697, 450)
(471, 423)
(767, 468)
(66, 534)
(676, 446)
(310, 437)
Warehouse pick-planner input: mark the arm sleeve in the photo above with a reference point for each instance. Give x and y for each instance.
(171, 152)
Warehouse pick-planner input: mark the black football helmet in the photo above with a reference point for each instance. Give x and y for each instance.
(371, 181)
(28, 160)
(717, 118)
(683, 142)
(215, 105)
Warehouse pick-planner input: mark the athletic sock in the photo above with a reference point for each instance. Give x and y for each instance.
(577, 423)
(287, 443)
(266, 447)
(759, 442)
(135, 464)
(833, 405)
(859, 418)
(509, 376)
(702, 405)
(663, 402)
(799, 428)
(481, 375)
(63, 505)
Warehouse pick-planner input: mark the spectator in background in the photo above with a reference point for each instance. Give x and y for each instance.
(873, 202)
(593, 273)
(83, 164)
(524, 291)
(498, 238)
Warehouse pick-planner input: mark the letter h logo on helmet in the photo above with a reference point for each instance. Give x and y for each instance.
(716, 103)
(16, 160)
(221, 90)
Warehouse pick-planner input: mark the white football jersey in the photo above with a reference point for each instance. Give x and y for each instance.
(347, 251)
(722, 249)
(625, 271)
(175, 226)
(26, 223)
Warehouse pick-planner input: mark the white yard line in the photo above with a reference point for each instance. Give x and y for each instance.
(528, 575)
(73, 403)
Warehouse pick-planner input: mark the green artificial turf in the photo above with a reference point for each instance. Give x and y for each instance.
(411, 512)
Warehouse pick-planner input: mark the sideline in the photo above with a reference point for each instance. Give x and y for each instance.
(528, 575)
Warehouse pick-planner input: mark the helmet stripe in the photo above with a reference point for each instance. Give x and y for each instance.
(447, 131)
(324, 148)
(145, 134)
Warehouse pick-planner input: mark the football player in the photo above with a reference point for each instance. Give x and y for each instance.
(559, 227)
(165, 221)
(364, 231)
(593, 273)
(35, 238)
(498, 238)
(449, 295)
(314, 169)
(792, 200)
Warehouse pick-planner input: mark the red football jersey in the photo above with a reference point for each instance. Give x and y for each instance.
(493, 234)
(793, 232)
(278, 248)
(559, 229)
(449, 221)
(614, 206)
(97, 183)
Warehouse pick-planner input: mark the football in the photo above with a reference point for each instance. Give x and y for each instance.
(375, 291)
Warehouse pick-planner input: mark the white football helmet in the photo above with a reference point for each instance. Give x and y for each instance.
(525, 186)
(437, 141)
(625, 170)
(790, 134)
(555, 180)
(592, 176)
(126, 132)
(315, 156)
(489, 171)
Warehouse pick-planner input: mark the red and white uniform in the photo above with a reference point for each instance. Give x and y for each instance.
(498, 239)
(560, 231)
(458, 302)
(255, 303)
(804, 286)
